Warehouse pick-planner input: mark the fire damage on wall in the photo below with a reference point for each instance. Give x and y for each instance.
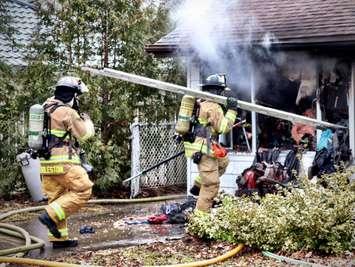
(315, 87)
(291, 57)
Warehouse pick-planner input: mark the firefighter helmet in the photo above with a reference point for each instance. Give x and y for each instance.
(72, 83)
(215, 80)
(68, 87)
(215, 84)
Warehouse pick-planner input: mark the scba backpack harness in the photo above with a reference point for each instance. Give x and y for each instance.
(40, 138)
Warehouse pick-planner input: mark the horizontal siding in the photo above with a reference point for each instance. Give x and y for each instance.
(238, 163)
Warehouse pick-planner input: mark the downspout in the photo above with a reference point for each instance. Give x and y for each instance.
(318, 108)
(351, 103)
(253, 113)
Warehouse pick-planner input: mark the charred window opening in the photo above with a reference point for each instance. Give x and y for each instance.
(334, 84)
(288, 83)
(315, 87)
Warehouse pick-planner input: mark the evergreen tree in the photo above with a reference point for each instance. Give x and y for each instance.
(97, 33)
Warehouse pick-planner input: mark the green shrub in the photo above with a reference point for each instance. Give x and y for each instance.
(310, 217)
(19, 89)
(10, 131)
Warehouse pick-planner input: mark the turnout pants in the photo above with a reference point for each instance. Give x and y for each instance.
(210, 170)
(66, 193)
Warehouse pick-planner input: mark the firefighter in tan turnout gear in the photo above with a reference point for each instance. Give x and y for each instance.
(203, 148)
(64, 180)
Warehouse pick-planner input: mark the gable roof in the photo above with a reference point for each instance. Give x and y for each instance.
(24, 20)
(294, 23)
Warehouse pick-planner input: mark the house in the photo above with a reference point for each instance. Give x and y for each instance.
(23, 19)
(277, 53)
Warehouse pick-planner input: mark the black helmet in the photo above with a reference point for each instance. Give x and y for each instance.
(215, 83)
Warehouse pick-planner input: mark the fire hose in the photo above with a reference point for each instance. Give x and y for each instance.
(36, 262)
(289, 260)
(18, 232)
(218, 259)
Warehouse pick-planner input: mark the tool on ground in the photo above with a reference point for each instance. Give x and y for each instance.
(86, 229)
(131, 222)
(153, 167)
(158, 219)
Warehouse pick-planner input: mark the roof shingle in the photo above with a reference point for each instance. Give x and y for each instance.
(24, 20)
(292, 22)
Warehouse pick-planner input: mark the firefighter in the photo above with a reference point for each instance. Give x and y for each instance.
(64, 180)
(205, 151)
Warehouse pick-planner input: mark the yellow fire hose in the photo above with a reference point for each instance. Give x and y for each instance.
(35, 262)
(18, 232)
(221, 258)
(28, 246)
(21, 233)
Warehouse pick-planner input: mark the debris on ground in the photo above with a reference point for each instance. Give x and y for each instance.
(190, 249)
(105, 219)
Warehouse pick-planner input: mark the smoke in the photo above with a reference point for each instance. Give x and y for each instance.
(208, 30)
(222, 34)
(268, 39)
(203, 22)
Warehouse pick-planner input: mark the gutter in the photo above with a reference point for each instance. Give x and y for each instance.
(317, 43)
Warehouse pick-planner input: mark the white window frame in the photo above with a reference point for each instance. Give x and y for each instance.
(351, 103)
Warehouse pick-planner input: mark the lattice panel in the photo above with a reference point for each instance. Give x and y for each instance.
(156, 144)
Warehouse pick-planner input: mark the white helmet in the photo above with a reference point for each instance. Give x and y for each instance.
(74, 83)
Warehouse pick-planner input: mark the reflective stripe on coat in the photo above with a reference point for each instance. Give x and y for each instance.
(65, 119)
(210, 114)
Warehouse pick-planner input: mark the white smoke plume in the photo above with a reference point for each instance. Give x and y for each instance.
(206, 27)
(223, 38)
(203, 21)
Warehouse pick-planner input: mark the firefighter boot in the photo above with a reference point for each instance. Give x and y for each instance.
(50, 224)
(195, 191)
(70, 243)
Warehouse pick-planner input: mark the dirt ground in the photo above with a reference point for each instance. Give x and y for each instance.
(186, 249)
(190, 249)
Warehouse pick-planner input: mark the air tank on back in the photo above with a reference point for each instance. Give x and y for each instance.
(35, 129)
(185, 114)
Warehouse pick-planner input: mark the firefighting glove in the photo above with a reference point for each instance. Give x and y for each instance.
(228, 93)
(232, 103)
(85, 116)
